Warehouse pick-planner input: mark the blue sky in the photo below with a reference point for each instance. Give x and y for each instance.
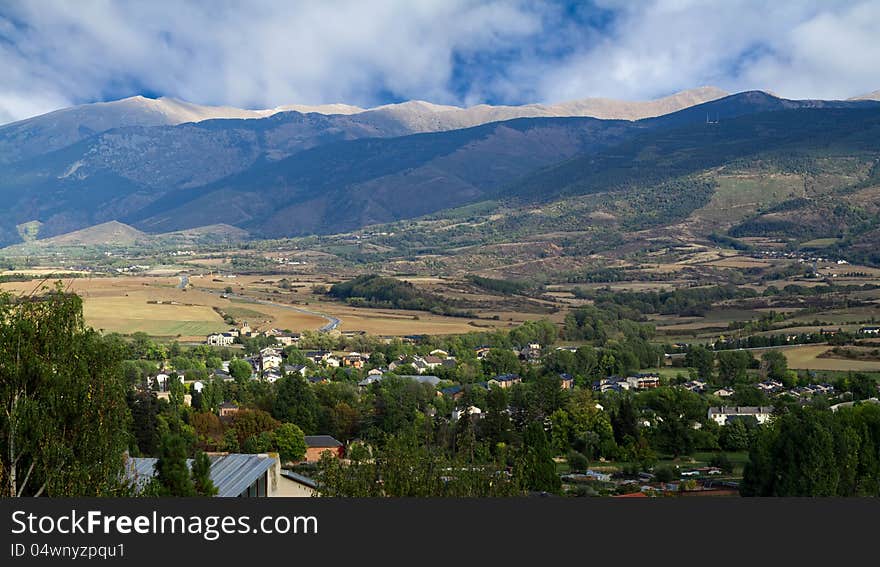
(265, 53)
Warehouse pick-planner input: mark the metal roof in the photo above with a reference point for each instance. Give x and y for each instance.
(232, 474)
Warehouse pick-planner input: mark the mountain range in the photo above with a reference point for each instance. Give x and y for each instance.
(165, 165)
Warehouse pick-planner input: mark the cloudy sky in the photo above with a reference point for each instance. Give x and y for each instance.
(265, 53)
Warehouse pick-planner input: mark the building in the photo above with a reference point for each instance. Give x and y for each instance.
(454, 392)
(869, 331)
(611, 384)
(296, 485)
(566, 381)
(473, 412)
(505, 380)
(317, 445)
(220, 339)
(643, 381)
(318, 356)
(287, 339)
(355, 360)
(228, 409)
(532, 352)
(270, 359)
(722, 415)
(233, 474)
(296, 369)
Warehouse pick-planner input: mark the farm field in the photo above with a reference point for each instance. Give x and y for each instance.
(129, 304)
(808, 358)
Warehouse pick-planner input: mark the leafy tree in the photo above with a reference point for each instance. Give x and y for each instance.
(64, 423)
(577, 462)
(501, 361)
(240, 370)
(701, 359)
(295, 402)
(249, 423)
(538, 470)
(172, 474)
(144, 407)
(735, 436)
(201, 476)
(733, 366)
(774, 364)
(676, 411)
(290, 442)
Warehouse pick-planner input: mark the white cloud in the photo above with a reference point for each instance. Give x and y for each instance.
(265, 53)
(821, 48)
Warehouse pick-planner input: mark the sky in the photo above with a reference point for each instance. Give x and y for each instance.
(267, 53)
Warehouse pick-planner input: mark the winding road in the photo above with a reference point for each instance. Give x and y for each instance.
(332, 322)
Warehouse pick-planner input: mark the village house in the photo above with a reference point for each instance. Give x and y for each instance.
(220, 339)
(566, 381)
(296, 369)
(272, 376)
(424, 364)
(531, 353)
(454, 392)
(318, 356)
(722, 415)
(473, 412)
(869, 331)
(317, 445)
(698, 386)
(643, 381)
(505, 380)
(770, 386)
(482, 352)
(611, 384)
(287, 339)
(227, 409)
(355, 360)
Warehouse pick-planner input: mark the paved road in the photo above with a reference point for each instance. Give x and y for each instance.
(332, 322)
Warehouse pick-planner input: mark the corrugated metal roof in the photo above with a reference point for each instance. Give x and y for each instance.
(232, 474)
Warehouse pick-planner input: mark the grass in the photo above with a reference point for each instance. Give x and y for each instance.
(820, 243)
(133, 313)
(807, 358)
(738, 197)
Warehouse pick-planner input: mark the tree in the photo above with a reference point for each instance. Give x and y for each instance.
(702, 359)
(64, 421)
(676, 411)
(733, 366)
(501, 361)
(735, 436)
(201, 476)
(537, 468)
(290, 442)
(172, 474)
(295, 402)
(251, 422)
(775, 365)
(240, 370)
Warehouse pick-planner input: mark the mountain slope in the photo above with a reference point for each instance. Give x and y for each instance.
(38, 135)
(681, 143)
(348, 184)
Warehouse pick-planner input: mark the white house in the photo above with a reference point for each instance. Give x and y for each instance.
(722, 415)
(220, 339)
